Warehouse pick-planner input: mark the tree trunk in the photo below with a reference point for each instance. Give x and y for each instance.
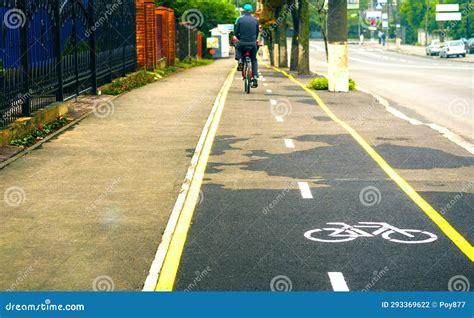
(303, 48)
(269, 42)
(338, 70)
(282, 38)
(276, 38)
(294, 40)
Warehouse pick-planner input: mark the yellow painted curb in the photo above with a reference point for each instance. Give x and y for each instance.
(173, 255)
(434, 215)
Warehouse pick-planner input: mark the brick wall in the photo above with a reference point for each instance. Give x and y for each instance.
(155, 34)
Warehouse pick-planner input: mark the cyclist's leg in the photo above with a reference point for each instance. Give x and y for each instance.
(253, 56)
(238, 55)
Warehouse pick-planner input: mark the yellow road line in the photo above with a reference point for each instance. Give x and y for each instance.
(434, 215)
(173, 256)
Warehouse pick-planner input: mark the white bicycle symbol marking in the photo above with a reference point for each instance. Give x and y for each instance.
(346, 233)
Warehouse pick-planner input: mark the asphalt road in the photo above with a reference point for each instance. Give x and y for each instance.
(281, 170)
(429, 89)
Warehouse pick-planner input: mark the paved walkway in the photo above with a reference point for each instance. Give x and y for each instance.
(98, 197)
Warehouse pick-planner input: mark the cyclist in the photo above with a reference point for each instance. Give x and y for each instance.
(246, 31)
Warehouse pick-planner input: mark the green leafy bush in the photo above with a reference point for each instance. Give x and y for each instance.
(352, 85)
(321, 83)
(142, 78)
(135, 80)
(39, 133)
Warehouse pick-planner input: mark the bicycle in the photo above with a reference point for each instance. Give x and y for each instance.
(346, 233)
(247, 73)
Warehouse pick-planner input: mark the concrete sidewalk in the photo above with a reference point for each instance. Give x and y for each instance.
(86, 211)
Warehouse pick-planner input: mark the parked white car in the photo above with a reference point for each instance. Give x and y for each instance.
(453, 48)
(433, 48)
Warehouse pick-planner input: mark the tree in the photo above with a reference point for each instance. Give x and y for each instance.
(295, 38)
(303, 38)
(213, 12)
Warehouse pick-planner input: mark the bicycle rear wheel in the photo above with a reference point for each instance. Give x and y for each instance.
(248, 76)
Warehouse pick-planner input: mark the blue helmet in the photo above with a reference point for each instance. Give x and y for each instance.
(248, 7)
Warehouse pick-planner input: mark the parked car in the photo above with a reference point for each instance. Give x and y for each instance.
(453, 48)
(433, 48)
(470, 46)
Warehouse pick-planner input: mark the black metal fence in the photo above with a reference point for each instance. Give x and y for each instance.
(186, 41)
(53, 50)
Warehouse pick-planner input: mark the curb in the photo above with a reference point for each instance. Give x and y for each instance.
(166, 261)
(51, 136)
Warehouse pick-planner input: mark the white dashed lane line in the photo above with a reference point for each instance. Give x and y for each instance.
(269, 91)
(289, 143)
(279, 119)
(265, 84)
(338, 282)
(273, 102)
(305, 190)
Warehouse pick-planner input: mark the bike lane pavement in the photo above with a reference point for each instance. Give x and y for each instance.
(280, 167)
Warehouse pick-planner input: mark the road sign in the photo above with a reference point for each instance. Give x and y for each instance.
(447, 7)
(374, 14)
(448, 12)
(213, 43)
(225, 28)
(448, 16)
(352, 4)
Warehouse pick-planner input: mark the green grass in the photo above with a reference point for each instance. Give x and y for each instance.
(142, 78)
(39, 133)
(135, 80)
(188, 63)
(321, 84)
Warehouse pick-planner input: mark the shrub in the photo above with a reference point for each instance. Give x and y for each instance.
(39, 133)
(125, 84)
(321, 83)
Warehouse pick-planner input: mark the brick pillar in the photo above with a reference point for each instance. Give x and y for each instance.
(147, 51)
(171, 37)
(140, 29)
(168, 38)
(162, 36)
(199, 45)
